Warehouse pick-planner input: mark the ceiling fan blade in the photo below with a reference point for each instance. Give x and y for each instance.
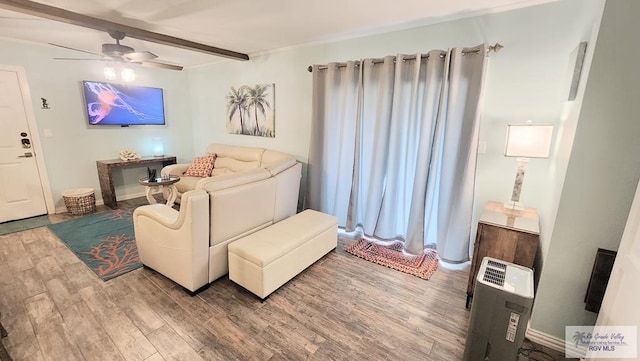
(82, 51)
(140, 56)
(78, 59)
(153, 64)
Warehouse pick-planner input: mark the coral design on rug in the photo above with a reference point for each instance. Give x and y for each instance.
(392, 256)
(124, 213)
(104, 241)
(114, 256)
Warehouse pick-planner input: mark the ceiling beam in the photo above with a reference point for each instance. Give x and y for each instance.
(69, 17)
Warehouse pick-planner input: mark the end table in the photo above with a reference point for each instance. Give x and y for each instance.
(158, 183)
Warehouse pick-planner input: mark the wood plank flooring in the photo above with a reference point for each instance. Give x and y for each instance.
(341, 308)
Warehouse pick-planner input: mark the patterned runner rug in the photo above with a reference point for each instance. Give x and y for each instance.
(392, 256)
(103, 241)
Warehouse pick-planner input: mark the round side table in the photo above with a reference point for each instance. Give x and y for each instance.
(159, 183)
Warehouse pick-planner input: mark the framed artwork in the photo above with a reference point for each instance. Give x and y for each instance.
(579, 55)
(251, 110)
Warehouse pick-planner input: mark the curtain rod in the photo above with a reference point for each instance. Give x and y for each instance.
(495, 48)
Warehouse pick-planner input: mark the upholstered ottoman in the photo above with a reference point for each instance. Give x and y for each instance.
(265, 260)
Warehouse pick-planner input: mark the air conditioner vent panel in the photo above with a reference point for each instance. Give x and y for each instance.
(494, 276)
(502, 266)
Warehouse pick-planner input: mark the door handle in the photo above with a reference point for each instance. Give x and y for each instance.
(26, 155)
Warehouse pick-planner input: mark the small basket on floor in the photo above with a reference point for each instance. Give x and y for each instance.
(80, 201)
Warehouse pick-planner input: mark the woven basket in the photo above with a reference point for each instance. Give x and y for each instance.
(80, 201)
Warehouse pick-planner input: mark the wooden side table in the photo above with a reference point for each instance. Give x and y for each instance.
(509, 235)
(167, 184)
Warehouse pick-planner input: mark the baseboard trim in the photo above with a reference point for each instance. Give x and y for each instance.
(552, 342)
(128, 196)
(99, 202)
(545, 339)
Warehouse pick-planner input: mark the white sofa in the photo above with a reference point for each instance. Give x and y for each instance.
(251, 189)
(230, 161)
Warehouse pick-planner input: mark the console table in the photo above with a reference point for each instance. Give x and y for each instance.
(105, 174)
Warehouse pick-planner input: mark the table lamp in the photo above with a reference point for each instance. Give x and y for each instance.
(157, 147)
(525, 141)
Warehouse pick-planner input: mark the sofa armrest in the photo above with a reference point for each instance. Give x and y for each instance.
(276, 162)
(175, 169)
(195, 203)
(224, 181)
(159, 213)
(280, 165)
(176, 243)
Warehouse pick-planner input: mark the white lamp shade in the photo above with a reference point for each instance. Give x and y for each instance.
(528, 140)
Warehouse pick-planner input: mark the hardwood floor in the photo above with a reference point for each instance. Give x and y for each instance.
(341, 308)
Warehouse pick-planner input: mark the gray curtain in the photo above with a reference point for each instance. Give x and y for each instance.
(394, 147)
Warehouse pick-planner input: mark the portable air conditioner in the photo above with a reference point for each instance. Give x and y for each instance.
(502, 301)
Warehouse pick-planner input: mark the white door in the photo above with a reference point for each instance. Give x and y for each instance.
(621, 304)
(21, 192)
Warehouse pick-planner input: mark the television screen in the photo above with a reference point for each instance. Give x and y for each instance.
(117, 104)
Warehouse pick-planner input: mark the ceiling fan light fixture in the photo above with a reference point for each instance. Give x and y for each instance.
(109, 73)
(128, 75)
(116, 50)
(140, 56)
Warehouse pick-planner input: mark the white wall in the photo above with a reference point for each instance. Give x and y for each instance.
(530, 79)
(210, 85)
(72, 151)
(602, 173)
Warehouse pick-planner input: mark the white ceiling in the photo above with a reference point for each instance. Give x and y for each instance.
(245, 26)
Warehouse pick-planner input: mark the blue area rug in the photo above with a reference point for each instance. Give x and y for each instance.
(23, 224)
(103, 241)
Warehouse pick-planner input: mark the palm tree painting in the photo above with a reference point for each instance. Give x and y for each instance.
(251, 110)
(236, 109)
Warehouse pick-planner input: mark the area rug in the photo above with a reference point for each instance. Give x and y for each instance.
(422, 266)
(23, 224)
(103, 241)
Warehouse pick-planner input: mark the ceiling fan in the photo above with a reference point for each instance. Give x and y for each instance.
(122, 53)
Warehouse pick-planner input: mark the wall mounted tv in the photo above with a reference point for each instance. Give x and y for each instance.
(123, 105)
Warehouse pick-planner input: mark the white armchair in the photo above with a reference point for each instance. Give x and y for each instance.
(176, 244)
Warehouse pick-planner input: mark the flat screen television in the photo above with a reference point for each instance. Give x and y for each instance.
(123, 105)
